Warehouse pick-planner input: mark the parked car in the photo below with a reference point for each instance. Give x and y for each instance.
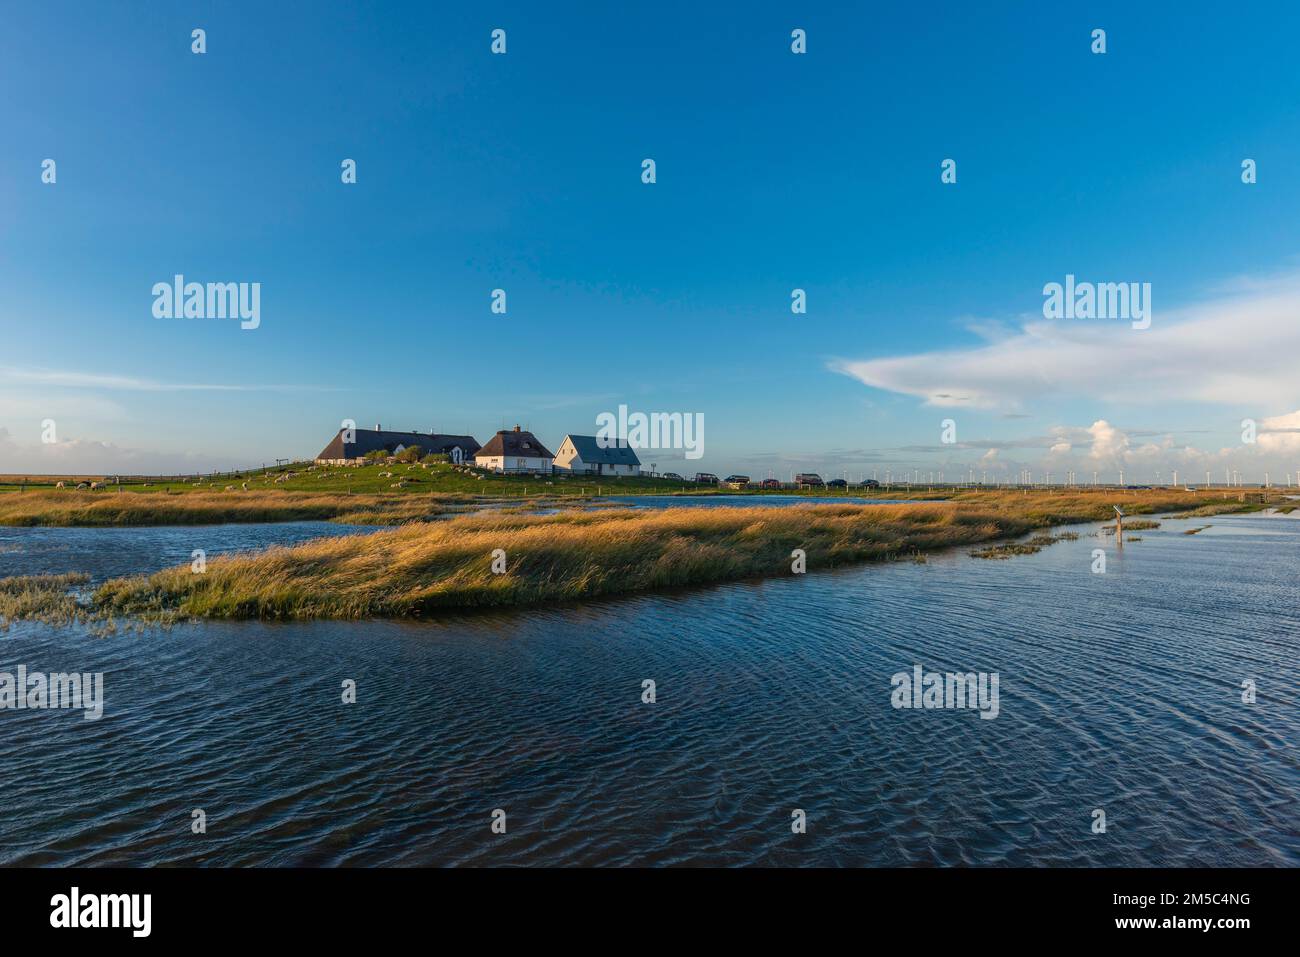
(674, 476)
(871, 483)
(837, 483)
(808, 480)
(769, 483)
(736, 481)
(706, 478)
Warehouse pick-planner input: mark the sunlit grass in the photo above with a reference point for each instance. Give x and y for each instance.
(417, 570)
(68, 507)
(46, 598)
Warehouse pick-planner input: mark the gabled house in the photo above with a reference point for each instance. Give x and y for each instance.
(582, 454)
(350, 446)
(516, 451)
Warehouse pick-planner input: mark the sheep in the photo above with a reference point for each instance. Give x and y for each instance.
(60, 485)
(96, 485)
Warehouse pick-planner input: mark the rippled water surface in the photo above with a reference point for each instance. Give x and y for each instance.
(1119, 691)
(108, 552)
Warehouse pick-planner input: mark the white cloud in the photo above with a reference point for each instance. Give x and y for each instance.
(1109, 444)
(1280, 433)
(1240, 350)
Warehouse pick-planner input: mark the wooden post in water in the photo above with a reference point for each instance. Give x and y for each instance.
(1119, 527)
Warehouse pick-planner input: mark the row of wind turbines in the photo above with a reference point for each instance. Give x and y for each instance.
(1232, 478)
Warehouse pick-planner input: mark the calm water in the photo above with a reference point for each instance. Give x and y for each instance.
(1118, 691)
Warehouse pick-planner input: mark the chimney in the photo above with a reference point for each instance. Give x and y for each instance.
(378, 427)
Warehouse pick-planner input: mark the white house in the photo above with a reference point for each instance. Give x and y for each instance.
(514, 452)
(583, 454)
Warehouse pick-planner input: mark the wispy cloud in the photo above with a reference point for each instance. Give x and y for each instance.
(93, 457)
(58, 378)
(1237, 350)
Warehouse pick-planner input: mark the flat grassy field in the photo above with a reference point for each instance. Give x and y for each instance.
(379, 478)
(394, 494)
(370, 494)
(421, 568)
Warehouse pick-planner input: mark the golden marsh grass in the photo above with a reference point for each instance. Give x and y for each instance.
(417, 570)
(68, 507)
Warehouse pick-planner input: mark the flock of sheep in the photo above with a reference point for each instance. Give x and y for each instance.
(402, 482)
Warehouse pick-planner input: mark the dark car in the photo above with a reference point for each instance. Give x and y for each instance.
(770, 483)
(674, 476)
(808, 480)
(737, 481)
(871, 483)
(706, 478)
(837, 483)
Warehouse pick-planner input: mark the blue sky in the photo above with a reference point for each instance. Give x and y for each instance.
(775, 171)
